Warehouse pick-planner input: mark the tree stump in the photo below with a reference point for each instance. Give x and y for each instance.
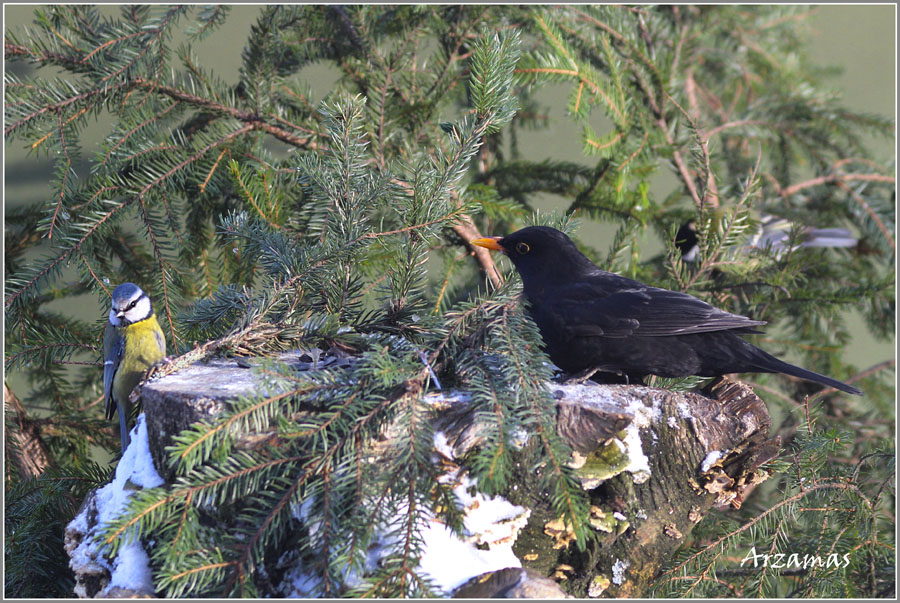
(653, 461)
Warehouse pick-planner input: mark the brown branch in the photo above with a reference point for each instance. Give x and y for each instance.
(212, 171)
(467, 230)
(11, 50)
(663, 125)
(712, 101)
(257, 122)
(106, 89)
(111, 42)
(690, 90)
(91, 270)
(446, 283)
(92, 403)
(863, 160)
(735, 124)
(597, 145)
(636, 153)
(835, 177)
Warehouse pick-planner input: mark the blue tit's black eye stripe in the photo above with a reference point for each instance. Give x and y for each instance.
(135, 301)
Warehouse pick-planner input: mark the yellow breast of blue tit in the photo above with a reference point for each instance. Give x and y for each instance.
(145, 345)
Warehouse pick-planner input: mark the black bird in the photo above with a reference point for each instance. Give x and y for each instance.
(595, 320)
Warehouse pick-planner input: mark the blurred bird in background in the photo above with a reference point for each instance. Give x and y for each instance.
(773, 233)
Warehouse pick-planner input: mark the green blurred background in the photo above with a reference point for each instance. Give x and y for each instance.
(859, 41)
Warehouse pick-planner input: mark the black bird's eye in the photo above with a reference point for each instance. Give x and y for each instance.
(522, 248)
(131, 305)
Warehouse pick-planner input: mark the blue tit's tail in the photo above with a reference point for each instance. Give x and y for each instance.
(830, 237)
(123, 425)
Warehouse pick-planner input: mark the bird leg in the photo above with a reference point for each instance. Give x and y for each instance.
(584, 375)
(581, 376)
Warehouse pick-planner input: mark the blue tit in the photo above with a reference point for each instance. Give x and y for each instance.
(772, 233)
(133, 343)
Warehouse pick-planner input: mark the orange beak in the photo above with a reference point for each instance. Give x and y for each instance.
(491, 243)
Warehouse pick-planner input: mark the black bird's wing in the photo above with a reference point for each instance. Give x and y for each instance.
(613, 306)
(113, 349)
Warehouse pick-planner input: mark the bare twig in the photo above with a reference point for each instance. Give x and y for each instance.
(466, 229)
(30, 454)
(835, 177)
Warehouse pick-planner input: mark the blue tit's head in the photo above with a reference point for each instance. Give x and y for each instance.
(129, 305)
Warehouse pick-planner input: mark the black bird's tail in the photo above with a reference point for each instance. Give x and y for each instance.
(765, 362)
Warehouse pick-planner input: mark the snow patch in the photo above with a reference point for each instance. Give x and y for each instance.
(618, 570)
(644, 416)
(639, 464)
(448, 560)
(446, 398)
(442, 446)
(711, 459)
(451, 562)
(130, 569)
(492, 520)
(300, 512)
(297, 583)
